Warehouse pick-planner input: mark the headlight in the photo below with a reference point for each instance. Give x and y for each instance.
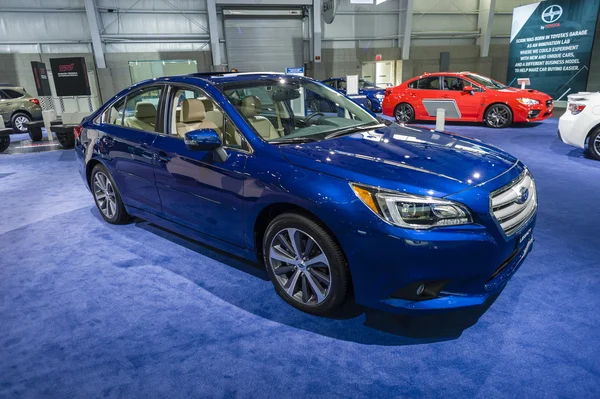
(412, 211)
(528, 101)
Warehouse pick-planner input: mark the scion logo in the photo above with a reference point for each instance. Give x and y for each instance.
(552, 14)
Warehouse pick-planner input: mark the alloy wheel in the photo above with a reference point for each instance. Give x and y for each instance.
(498, 116)
(404, 113)
(105, 195)
(20, 122)
(597, 144)
(300, 266)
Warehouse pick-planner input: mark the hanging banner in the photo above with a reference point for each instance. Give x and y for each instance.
(40, 76)
(70, 76)
(551, 43)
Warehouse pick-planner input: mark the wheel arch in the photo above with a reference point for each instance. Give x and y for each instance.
(512, 113)
(271, 211)
(586, 141)
(20, 111)
(89, 167)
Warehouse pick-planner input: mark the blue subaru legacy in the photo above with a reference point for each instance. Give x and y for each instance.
(333, 204)
(374, 95)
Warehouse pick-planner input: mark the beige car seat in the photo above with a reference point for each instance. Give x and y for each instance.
(251, 108)
(193, 117)
(144, 117)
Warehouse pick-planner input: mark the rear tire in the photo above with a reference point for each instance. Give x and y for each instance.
(107, 196)
(305, 264)
(498, 116)
(594, 145)
(404, 113)
(19, 121)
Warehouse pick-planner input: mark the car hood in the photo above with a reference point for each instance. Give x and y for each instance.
(415, 160)
(530, 93)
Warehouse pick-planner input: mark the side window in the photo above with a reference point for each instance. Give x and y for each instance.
(454, 83)
(232, 137)
(113, 115)
(430, 83)
(192, 110)
(341, 85)
(140, 109)
(413, 84)
(12, 93)
(331, 84)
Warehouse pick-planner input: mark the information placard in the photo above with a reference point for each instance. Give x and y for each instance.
(551, 43)
(70, 76)
(40, 76)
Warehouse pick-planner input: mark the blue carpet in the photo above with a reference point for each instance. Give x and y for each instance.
(93, 310)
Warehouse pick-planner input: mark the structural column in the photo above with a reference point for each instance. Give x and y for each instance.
(92, 17)
(407, 30)
(213, 30)
(317, 30)
(484, 23)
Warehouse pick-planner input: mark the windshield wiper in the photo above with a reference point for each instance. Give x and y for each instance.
(353, 129)
(283, 140)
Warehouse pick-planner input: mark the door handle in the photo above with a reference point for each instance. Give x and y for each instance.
(446, 96)
(162, 157)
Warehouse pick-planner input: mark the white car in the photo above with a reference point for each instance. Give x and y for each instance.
(580, 124)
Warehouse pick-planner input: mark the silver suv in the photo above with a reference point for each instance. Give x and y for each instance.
(18, 108)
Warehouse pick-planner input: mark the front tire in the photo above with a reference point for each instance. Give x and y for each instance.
(594, 145)
(19, 122)
(305, 264)
(107, 197)
(404, 113)
(498, 116)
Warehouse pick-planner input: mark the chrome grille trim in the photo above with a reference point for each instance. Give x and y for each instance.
(508, 213)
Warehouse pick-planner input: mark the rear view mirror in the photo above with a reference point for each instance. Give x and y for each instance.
(468, 89)
(203, 140)
(286, 95)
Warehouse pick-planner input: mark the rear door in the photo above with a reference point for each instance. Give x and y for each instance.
(197, 189)
(126, 133)
(426, 94)
(469, 103)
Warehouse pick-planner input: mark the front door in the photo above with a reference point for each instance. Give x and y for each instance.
(197, 189)
(468, 103)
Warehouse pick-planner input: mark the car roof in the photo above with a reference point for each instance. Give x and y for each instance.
(444, 74)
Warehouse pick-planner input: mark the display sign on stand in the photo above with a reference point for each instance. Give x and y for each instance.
(70, 76)
(551, 44)
(40, 76)
(352, 90)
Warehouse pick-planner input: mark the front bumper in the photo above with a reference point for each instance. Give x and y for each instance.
(532, 113)
(462, 265)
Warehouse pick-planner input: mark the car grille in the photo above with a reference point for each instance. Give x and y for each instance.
(514, 204)
(549, 103)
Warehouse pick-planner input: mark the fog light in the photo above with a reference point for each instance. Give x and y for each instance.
(420, 291)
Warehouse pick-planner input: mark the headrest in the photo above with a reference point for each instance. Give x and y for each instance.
(208, 105)
(251, 106)
(145, 110)
(192, 110)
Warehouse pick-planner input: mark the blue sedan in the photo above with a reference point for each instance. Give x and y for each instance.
(404, 219)
(374, 95)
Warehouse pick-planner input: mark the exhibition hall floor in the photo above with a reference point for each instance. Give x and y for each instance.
(88, 309)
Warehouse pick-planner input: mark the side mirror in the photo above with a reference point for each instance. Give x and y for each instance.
(203, 140)
(468, 89)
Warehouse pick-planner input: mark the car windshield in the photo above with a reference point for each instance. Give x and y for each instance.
(289, 109)
(486, 82)
(365, 84)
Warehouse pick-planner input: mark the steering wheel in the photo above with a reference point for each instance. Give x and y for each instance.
(312, 116)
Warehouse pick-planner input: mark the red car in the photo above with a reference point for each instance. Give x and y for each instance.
(465, 96)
